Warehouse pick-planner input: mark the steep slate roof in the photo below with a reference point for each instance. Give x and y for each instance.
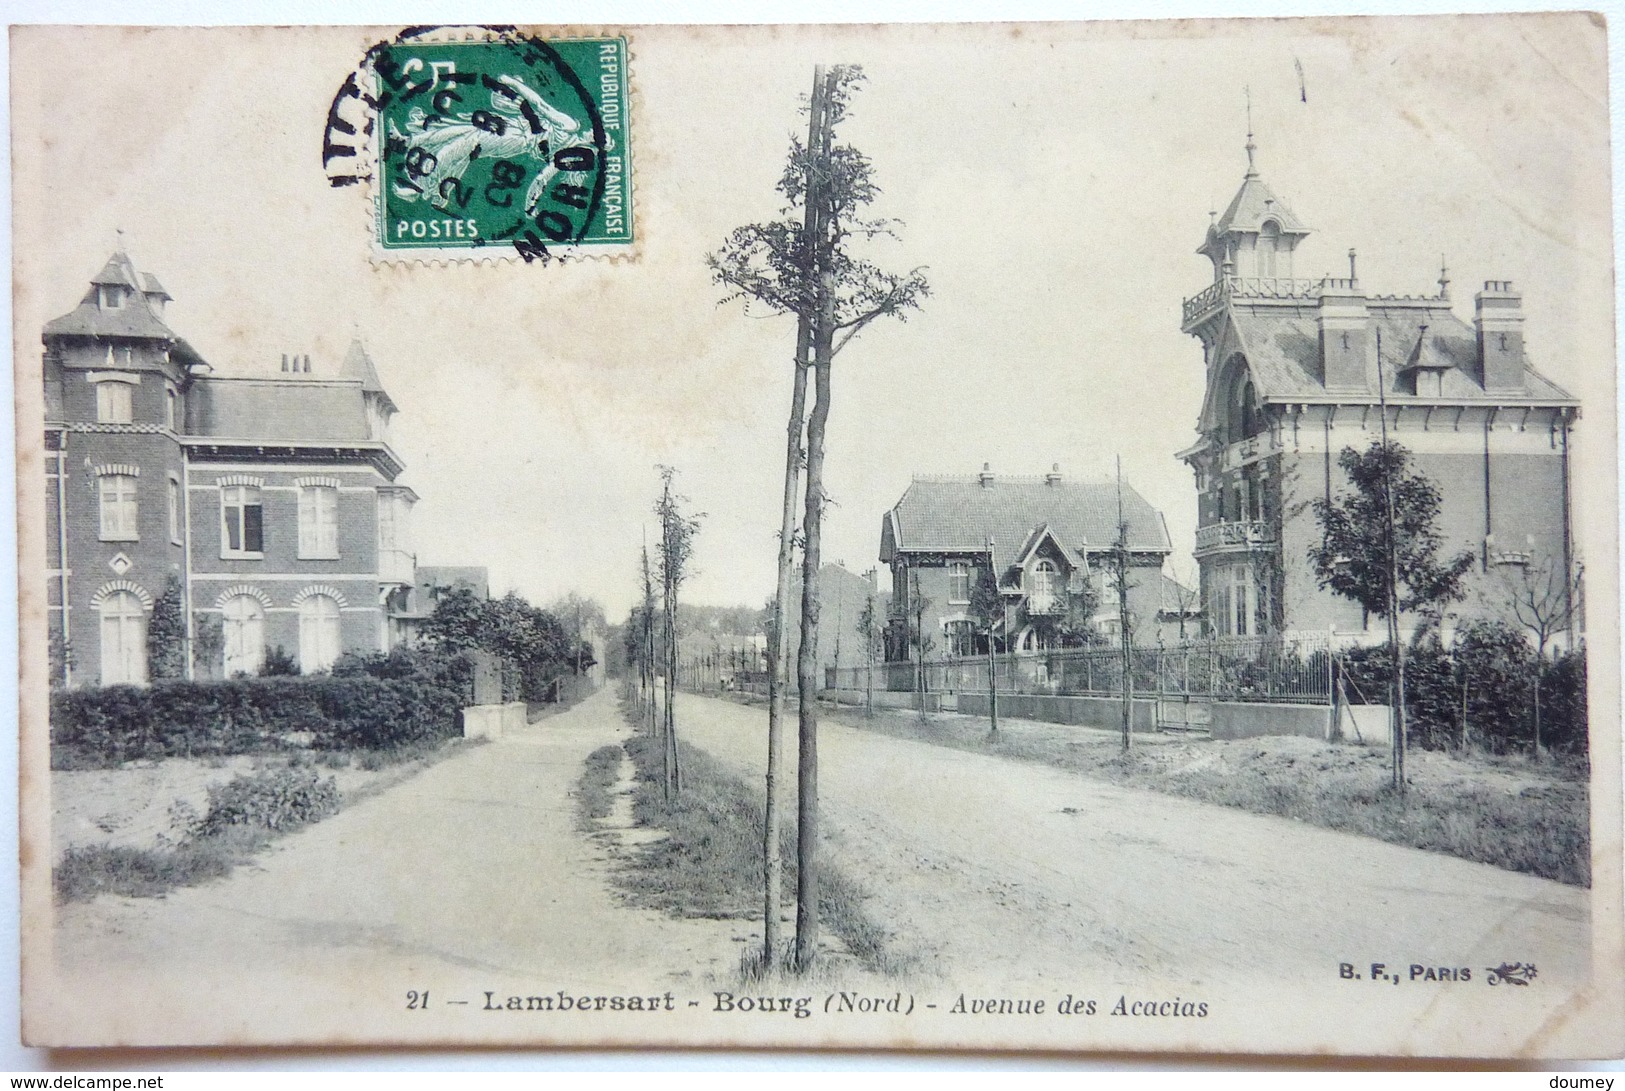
(957, 514)
(1253, 203)
(475, 578)
(358, 365)
(1282, 346)
(136, 318)
(277, 410)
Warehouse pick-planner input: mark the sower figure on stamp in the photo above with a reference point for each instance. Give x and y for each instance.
(520, 125)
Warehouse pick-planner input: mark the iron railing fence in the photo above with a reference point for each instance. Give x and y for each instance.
(1296, 669)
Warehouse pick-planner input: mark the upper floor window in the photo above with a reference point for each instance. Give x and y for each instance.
(959, 583)
(387, 533)
(112, 297)
(242, 522)
(118, 507)
(171, 408)
(114, 402)
(318, 521)
(1043, 589)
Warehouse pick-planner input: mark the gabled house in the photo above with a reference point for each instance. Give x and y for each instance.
(1038, 546)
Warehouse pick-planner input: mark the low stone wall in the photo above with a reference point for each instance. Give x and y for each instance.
(1367, 725)
(853, 698)
(1088, 711)
(493, 721)
(1246, 719)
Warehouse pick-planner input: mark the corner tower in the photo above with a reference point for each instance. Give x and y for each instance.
(1298, 369)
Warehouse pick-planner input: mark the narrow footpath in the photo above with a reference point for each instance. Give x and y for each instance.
(468, 877)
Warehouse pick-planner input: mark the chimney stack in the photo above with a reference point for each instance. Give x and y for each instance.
(986, 477)
(1348, 352)
(1498, 319)
(1054, 475)
(284, 361)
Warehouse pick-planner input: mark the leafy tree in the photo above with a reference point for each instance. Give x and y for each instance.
(803, 264)
(166, 634)
(579, 614)
(458, 621)
(1380, 547)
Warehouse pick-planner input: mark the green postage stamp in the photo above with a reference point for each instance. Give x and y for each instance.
(511, 142)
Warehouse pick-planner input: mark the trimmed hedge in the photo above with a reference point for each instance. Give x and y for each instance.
(92, 728)
(1480, 690)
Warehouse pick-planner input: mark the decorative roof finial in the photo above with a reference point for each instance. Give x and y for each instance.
(1252, 169)
(119, 231)
(1444, 279)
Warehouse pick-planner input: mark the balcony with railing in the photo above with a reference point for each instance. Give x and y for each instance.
(396, 566)
(1209, 299)
(1235, 536)
(1045, 606)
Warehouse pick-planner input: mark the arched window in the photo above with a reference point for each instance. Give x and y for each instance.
(244, 623)
(1269, 243)
(1243, 419)
(124, 639)
(318, 633)
(1043, 590)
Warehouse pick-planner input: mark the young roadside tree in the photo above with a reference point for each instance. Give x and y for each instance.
(646, 711)
(1120, 561)
(1544, 600)
(677, 531)
(1380, 548)
(922, 641)
(987, 609)
(804, 264)
(869, 629)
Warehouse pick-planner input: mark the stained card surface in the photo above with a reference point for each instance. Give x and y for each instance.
(1084, 537)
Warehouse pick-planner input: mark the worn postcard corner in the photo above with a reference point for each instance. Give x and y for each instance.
(1070, 536)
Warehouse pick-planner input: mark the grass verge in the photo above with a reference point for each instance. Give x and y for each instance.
(593, 798)
(709, 864)
(1510, 813)
(243, 817)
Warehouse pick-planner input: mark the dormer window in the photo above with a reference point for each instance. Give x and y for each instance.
(1269, 240)
(112, 297)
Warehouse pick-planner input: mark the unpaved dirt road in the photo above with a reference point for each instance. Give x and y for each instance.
(470, 876)
(994, 870)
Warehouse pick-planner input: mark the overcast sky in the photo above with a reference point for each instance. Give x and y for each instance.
(1055, 181)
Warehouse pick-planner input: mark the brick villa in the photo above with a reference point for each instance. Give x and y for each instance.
(270, 501)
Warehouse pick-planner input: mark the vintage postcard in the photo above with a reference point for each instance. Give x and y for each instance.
(1056, 536)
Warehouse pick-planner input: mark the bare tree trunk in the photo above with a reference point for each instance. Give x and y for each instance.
(778, 653)
(1540, 662)
(992, 687)
(807, 657)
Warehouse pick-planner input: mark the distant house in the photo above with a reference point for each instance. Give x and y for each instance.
(433, 582)
(842, 595)
(1043, 540)
(270, 501)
